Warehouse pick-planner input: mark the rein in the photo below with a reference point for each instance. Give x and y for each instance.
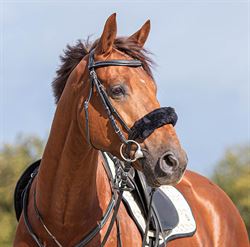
(141, 129)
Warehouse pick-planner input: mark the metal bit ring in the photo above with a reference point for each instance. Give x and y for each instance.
(138, 152)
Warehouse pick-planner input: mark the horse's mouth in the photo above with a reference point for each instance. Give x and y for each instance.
(170, 179)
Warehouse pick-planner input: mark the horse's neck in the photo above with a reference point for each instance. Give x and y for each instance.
(71, 183)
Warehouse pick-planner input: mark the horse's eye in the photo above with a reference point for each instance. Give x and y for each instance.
(117, 91)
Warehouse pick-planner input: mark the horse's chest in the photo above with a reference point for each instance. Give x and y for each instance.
(130, 234)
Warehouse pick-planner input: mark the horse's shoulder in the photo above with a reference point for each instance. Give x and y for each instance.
(207, 200)
(197, 182)
(199, 190)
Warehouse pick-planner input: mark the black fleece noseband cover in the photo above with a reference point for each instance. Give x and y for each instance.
(145, 126)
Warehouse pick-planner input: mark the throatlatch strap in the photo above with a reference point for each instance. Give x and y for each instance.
(145, 126)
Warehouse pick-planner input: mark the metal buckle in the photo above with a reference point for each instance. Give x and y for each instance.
(138, 153)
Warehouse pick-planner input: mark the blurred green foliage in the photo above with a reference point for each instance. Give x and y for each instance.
(232, 174)
(14, 158)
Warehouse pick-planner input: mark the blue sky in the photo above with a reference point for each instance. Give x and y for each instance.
(201, 48)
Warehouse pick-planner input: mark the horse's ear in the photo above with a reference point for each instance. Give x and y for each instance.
(142, 34)
(107, 39)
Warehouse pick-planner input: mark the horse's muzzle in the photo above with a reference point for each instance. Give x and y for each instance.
(167, 170)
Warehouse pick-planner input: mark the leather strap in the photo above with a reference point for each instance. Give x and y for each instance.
(128, 63)
(100, 225)
(118, 202)
(99, 64)
(32, 233)
(25, 210)
(86, 111)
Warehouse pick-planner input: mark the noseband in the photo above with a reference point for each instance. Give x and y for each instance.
(141, 129)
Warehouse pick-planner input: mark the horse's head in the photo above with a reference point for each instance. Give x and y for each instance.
(132, 93)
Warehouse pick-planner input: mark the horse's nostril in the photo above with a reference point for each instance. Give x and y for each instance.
(168, 161)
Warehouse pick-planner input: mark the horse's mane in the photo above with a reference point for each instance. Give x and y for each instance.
(74, 54)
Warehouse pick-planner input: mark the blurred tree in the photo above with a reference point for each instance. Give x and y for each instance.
(14, 158)
(232, 174)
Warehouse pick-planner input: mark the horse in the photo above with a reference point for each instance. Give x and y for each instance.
(71, 192)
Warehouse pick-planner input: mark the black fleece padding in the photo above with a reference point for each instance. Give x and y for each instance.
(145, 126)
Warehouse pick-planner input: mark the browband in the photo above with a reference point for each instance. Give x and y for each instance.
(98, 64)
(128, 63)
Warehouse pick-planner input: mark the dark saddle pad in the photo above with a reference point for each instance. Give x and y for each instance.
(20, 186)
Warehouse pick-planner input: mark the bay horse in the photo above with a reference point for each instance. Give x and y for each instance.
(71, 189)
